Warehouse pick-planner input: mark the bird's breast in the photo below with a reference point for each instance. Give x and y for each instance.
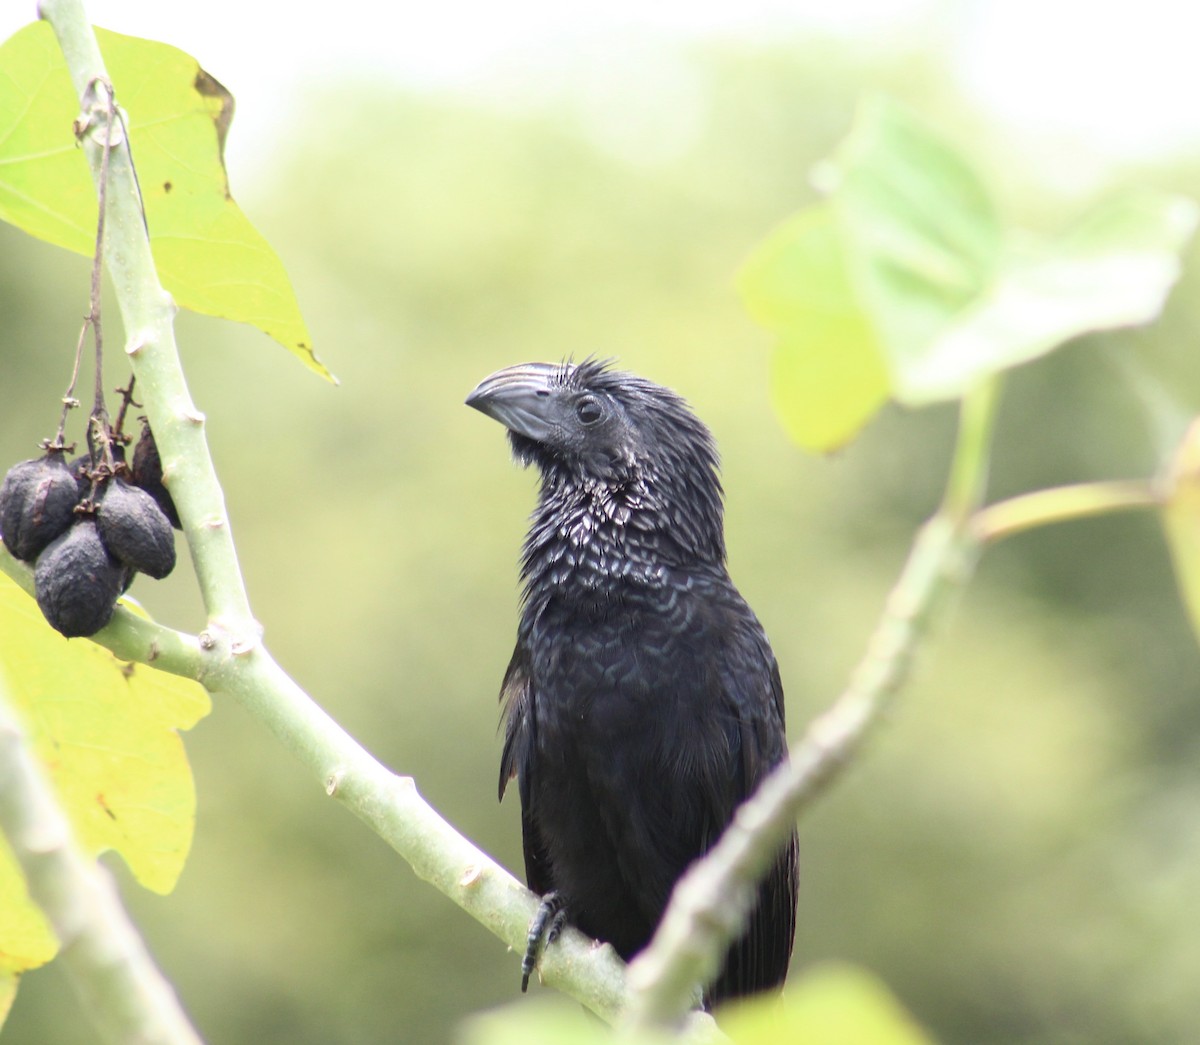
(592, 556)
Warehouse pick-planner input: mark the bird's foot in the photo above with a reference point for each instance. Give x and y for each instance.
(548, 921)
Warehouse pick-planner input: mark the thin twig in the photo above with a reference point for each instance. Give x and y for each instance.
(97, 85)
(84, 125)
(1062, 504)
(69, 401)
(126, 394)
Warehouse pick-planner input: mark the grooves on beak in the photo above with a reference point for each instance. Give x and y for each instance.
(520, 397)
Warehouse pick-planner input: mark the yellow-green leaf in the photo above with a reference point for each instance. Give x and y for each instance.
(107, 733)
(832, 1004)
(827, 374)
(208, 255)
(905, 283)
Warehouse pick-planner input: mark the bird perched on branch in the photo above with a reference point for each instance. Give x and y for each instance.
(643, 702)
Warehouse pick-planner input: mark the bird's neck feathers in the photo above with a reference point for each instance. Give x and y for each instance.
(630, 527)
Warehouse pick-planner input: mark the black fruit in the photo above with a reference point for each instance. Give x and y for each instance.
(77, 581)
(37, 504)
(147, 472)
(134, 529)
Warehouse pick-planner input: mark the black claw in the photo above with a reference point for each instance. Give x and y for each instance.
(556, 924)
(553, 912)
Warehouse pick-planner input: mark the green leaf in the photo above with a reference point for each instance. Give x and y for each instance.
(106, 732)
(1114, 269)
(904, 282)
(1181, 521)
(208, 255)
(831, 1004)
(827, 374)
(921, 236)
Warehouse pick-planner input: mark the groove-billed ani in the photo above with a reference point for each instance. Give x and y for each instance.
(642, 702)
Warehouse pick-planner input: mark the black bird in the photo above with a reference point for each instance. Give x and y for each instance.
(643, 702)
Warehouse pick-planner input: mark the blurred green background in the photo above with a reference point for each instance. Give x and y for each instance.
(1018, 853)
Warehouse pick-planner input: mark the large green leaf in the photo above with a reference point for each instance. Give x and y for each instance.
(827, 374)
(904, 283)
(921, 237)
(1114, 269)
(107, 733)
(208, 255)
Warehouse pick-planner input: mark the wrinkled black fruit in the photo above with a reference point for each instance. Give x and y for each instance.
(37, 504)
(148, 474)
(134, 529)
(77, 582)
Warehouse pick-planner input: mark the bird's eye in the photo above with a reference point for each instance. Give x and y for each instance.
(589, 410)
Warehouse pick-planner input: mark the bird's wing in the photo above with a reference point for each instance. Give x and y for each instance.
(750, 676)
(517, 760)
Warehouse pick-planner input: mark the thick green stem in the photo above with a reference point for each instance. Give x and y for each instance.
(130, 636)
(392, 807)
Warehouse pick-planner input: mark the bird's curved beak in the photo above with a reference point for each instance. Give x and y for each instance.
(520, 398)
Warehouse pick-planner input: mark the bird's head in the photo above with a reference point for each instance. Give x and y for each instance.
(615, 437)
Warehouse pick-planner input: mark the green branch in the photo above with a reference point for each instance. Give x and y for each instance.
(967, 482)
(129, 635)
(439, 854)
(1062, 504)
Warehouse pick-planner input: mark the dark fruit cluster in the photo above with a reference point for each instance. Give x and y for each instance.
(88, 529)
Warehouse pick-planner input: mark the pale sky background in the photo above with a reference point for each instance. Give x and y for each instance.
(1120, 78)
